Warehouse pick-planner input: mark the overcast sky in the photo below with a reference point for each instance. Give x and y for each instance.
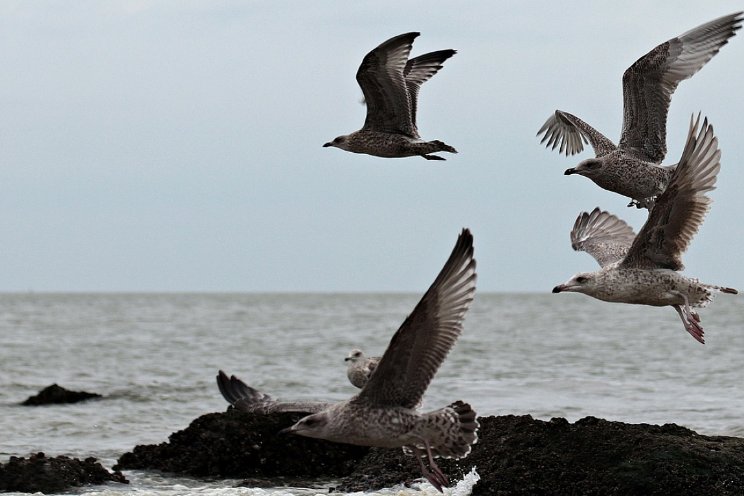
(176, 145)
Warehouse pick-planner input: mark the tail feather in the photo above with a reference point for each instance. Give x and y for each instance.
(461, 433)
(728, 290)
(443, 147)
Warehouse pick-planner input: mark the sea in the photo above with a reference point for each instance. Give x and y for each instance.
(154, 357)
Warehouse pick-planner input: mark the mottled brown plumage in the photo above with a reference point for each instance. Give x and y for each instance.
(643, 269)
(633, 168)
(390, 83)
(383, 413)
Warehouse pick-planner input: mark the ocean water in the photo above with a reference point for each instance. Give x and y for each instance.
(155, 356)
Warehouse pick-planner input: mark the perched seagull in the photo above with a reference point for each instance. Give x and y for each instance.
(633, 167)
(383, 413)
(390, 83)
(360, 367)
(643, 269)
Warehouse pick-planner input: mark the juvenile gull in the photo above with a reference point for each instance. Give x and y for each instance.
(633, 167)
(643, 269)
(360, 367)
(383, 413)
(390, 83)
(248, 399)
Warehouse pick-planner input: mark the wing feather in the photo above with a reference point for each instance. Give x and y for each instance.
(602, 235)
(380, 76)
(648, 84)
(425, 338)
(568, 133)
(419, 70)
(680, 209)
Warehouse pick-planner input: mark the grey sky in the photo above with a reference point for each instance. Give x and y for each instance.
(176, 146)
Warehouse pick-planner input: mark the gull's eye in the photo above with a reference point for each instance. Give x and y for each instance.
(594, 164)
(581, 279)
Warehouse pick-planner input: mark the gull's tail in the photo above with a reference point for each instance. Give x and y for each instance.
(451, 431)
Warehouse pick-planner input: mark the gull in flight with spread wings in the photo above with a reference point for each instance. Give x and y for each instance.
(384, 412)
(643, 269)
(633, 168)
(390, 82)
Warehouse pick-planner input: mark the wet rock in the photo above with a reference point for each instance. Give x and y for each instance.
(515, 455)
(39, 473)
(237, 444)
(518, 455)
(55, 394)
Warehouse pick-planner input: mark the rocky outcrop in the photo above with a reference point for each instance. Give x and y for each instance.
(518, 455)
(515, 455)
(239, 444)
(55, 394)
(39, 473)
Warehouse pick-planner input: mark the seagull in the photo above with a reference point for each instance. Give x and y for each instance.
(383, 413)
(360, 367)
(390, 83)
(643, 269)
(633, 168)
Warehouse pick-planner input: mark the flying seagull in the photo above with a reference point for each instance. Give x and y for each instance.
(643, 269)
(360, 367)
(633, 168)
(390, 82)
(383, 413)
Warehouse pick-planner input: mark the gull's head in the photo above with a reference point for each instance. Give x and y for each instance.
(314, 425)
(580, 283)
(339, 142)
(588, 167)
(354, 356)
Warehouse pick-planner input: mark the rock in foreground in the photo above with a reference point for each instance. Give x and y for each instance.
(514, 455)
(55, 394)
(238, 444)
(38, 473)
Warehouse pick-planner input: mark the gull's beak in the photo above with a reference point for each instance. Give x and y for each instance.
(327, 145)
(559, 288)
(567, 173)
(347, 359)
(288, 430)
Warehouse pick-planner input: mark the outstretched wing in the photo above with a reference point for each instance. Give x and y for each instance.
(380, 76)
(421, 344)
(602, 235)
(248, 399)
(567, 131)
(648, 84)
(419, 70)
(680, 209)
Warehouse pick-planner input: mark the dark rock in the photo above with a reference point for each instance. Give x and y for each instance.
(515, 455)
(55, 394)
(239, 444)
(524, 456)
(39, 473)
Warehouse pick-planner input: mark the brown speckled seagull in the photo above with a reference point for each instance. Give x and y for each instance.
(643, 269)
(390, 83)
(383, 413)
(360, 367)
(633, 167)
